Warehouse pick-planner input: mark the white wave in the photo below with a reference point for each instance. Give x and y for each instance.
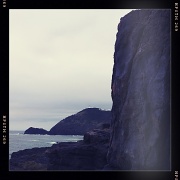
(72, 140)
(51, 142)
(34, 140)
(14, 134)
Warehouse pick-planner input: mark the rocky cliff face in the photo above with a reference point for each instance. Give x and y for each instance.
(140, 124)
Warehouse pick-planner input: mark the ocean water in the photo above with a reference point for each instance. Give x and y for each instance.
(19, 141)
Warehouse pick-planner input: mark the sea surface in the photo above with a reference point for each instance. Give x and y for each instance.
(19, 141)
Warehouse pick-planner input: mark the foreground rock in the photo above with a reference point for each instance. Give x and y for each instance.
(77, 156)
(29, 159)
(88, 154)
(140, 136)
(33, 130)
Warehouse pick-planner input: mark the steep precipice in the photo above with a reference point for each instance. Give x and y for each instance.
(140, 138)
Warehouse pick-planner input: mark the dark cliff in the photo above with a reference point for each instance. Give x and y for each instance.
(140, 138)
(82, 122)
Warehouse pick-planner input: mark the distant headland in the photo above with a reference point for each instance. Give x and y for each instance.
(77, 124)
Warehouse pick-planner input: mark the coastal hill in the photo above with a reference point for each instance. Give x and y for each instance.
(82, 122)
(77, 124)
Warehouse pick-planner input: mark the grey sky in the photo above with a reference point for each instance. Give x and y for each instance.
(60, 63)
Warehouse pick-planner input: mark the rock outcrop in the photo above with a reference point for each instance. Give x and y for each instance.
(140, 138)
(33, 130)
(82, 122)
(78, 156)
(88, 154)
(29, 159)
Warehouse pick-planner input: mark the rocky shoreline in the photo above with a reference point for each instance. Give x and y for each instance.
(87, 154)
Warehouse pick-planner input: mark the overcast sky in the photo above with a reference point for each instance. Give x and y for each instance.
(60, 63)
